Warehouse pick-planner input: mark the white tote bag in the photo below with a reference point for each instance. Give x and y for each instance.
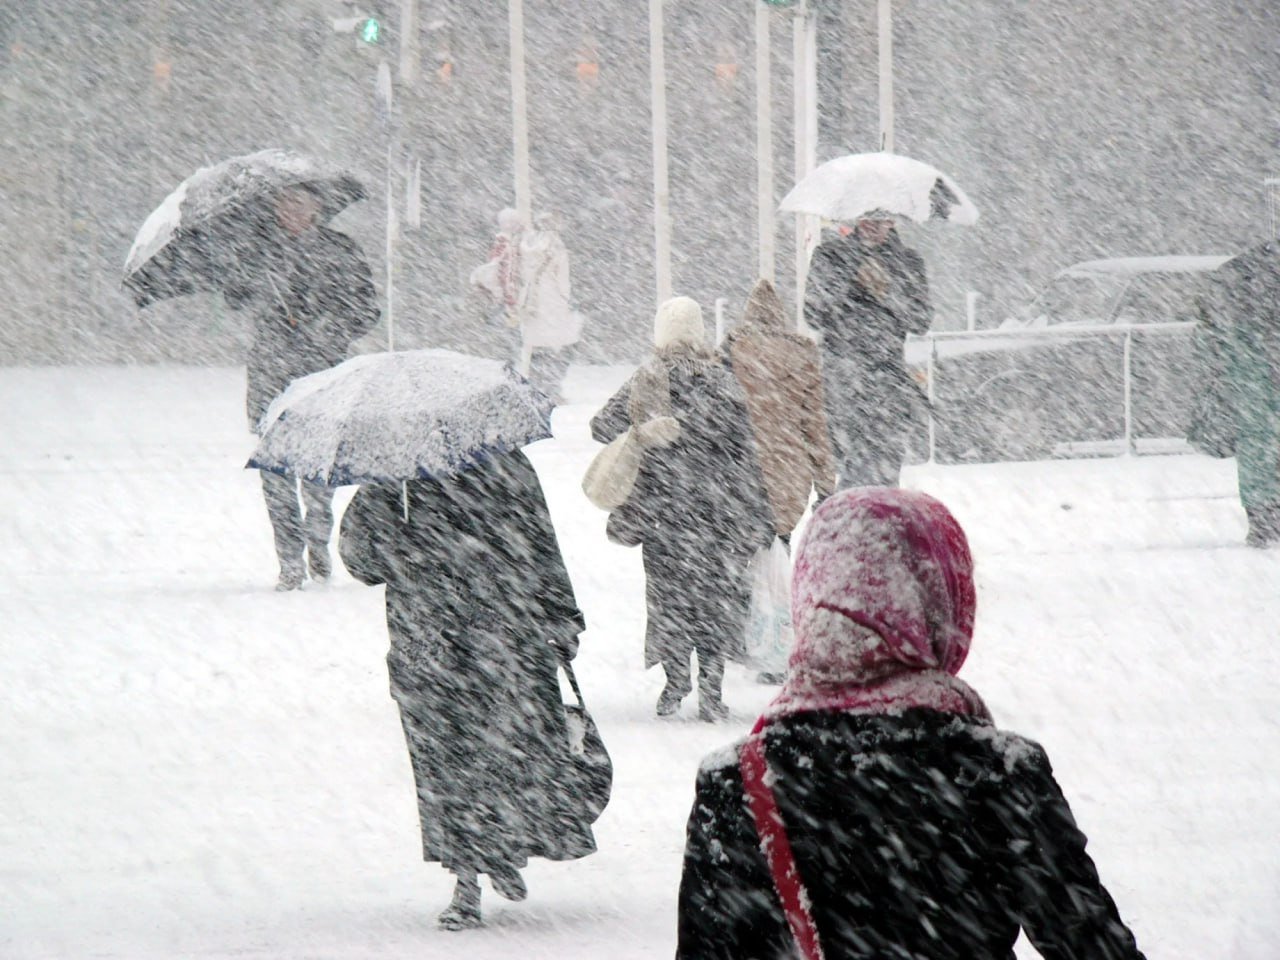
(769, 634)
(611, 477)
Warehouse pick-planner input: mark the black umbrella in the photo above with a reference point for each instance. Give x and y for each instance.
(188, 243)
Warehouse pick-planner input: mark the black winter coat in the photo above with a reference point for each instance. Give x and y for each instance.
(700, 509)
(476, 592)
(311, 297)
(855, 324)
(918, 837)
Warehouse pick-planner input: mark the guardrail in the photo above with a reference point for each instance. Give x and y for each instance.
(1085, 331)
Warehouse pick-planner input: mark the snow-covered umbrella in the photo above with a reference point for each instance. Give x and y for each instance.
(187, 243)
(852, 186)
(386, 417)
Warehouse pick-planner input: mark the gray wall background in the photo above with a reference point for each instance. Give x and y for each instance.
(1081, 128)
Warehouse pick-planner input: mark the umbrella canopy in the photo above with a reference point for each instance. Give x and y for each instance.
(187, 243)
(386, 417)
(849, 187)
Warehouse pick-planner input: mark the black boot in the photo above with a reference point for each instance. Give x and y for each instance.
(464, 912)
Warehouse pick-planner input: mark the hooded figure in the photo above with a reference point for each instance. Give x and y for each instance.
(865, 292)
(479, 606)
(876, 811)
(698, 506)
(781, 375)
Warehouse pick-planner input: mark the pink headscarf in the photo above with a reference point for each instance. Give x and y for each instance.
(883, 603)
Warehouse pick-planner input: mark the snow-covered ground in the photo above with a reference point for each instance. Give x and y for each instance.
(196, 766)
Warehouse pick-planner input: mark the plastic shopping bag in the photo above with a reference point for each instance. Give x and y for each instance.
(769, 633)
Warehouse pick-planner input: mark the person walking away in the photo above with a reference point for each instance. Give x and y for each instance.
(479, 607)
(698, 509)
(499, 276)
(865, 292)
(311, 295)
(1242, 330)
(779, 371)
(876, 810)
(548, 322)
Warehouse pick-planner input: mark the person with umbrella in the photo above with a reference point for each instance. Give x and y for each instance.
(255, 228)
(479, 608)
(866, 291)
(311, 295)
(451, 517)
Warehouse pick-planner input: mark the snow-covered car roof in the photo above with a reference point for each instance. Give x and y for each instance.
(1127, 266)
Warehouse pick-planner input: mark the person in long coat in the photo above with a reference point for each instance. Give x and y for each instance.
(548, 322)
(698, 508)
(865, 292)
(1239, 348)
(311, 295)
(876, 810)
(781, 376)
(479, 607)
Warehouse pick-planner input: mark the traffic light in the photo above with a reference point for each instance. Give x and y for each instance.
(370, 30)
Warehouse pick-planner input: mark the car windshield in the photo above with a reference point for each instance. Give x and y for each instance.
(1160, 298)
(1077, 300)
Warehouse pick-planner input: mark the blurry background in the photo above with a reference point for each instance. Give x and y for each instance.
(1081, 128)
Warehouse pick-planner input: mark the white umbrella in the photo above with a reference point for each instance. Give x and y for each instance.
(386, 417)
(849, 187)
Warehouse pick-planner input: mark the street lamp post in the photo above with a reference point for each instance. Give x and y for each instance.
(661, 186)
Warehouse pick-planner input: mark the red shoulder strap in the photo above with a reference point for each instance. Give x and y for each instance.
(776, 847)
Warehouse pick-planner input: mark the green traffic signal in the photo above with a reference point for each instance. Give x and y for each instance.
(371, 30)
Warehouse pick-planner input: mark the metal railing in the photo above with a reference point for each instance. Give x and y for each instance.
(1083, 332)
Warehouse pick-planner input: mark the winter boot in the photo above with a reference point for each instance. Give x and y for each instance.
(291, 576)
(318, 562)
(464, 912)
(712, 710)
(508, 883)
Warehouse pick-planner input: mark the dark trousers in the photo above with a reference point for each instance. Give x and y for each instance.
(293, 530)
(547, 369)
(679, 673)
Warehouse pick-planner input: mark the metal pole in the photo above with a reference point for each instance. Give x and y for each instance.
(408, 41)
(721, 303)
(805, 83)
(391, 251)
(519, 113)
(765, 226)
(661, 188)
(931, 371)
(1128, 393)
(885, 11)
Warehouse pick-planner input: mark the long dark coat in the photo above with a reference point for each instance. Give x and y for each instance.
(699, 508)
(922, 836)
(872, 402)
(476, 590)
(311, 296)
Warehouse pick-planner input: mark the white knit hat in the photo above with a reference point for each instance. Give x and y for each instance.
(679, 323)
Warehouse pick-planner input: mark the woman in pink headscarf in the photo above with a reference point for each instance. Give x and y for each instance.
(876, 811)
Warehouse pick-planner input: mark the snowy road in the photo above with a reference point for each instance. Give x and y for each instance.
(194, 765)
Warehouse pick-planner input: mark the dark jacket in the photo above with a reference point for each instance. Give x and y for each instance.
(873, 405)
(699, 508)
(477, 591)
(923, 836)
(858, 323)
(311, 297)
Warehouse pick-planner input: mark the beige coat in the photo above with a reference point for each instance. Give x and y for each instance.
(780, 372)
